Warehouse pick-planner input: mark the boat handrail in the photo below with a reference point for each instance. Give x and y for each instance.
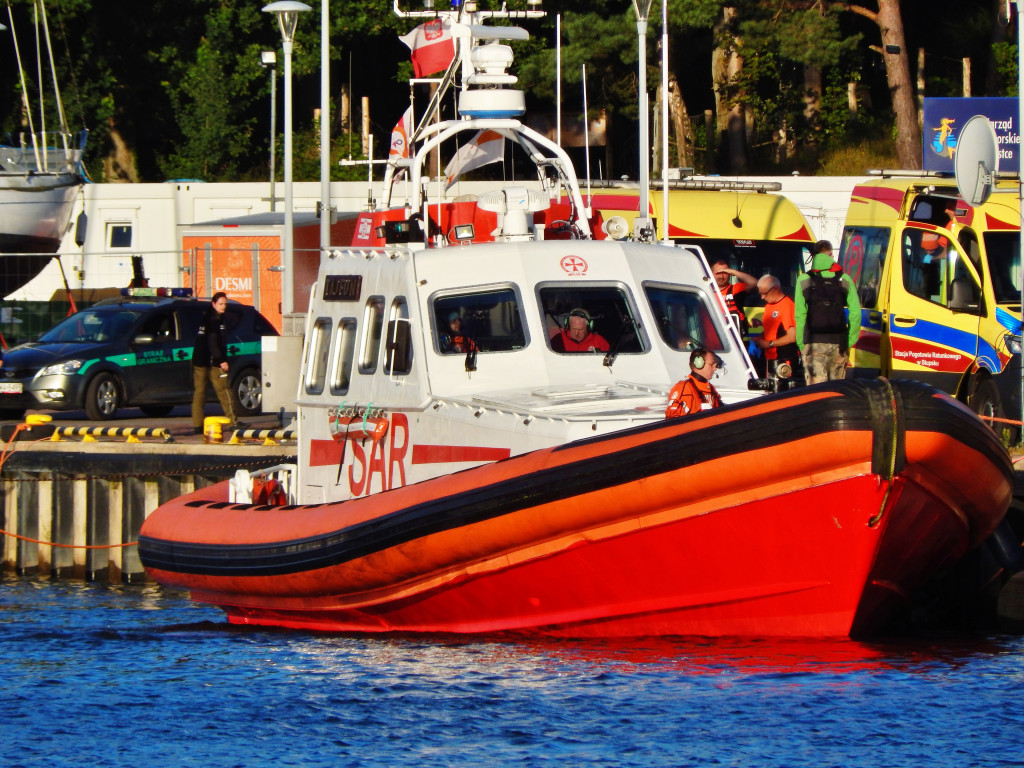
(275, 480)
(513, 130)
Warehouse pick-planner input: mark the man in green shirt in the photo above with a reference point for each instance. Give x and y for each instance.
(827, 317)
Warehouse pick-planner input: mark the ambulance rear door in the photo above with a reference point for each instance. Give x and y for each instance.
(862, 255)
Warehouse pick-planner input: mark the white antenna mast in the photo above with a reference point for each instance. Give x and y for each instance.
(369, 173)
(586, 132)
(664, 121)
(558, 79)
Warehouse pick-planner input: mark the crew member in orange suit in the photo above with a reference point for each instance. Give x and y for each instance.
(695, 393)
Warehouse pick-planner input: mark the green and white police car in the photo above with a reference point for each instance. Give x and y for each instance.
(130, 351)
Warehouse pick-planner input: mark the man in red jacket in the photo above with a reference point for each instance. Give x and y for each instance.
(578, 335)
(695, 393)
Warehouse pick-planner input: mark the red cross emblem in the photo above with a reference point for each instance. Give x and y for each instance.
(574, 266)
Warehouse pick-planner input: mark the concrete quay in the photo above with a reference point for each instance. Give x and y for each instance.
(73, 508)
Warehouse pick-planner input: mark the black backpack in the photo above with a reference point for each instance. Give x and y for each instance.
(826, 303)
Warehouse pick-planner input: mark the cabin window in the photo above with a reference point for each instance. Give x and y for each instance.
(684, 319)
(862, 256)
(119, 235)
(373, 324)
(489, 320)
(319, 351)
(612, 315)
(398, 346)
(344, 356)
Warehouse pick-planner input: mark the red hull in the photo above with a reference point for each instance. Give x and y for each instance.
(798, 537)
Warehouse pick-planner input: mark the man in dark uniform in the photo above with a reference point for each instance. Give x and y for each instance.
(210, 363)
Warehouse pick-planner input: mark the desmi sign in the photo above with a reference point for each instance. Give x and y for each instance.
(945, 118)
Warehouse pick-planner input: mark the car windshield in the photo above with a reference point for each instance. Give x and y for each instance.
(91, 326)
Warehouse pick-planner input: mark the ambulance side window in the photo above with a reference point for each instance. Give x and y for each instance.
(935, 270)
(1002, 250)
(970, 247)
(925, 264)
(862, 257)
(964, 294)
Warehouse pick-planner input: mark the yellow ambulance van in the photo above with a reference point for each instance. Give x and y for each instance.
(746, 223)
(940, 286)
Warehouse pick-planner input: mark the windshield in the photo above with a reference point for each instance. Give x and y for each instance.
(1003, 249)
(786, 260)
(91, 326)
(684, 320)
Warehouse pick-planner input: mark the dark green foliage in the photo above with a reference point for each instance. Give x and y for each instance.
(174, 88)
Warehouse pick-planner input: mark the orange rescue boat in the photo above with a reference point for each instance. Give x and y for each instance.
(815, 512)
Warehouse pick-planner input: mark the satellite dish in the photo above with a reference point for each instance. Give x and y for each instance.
(617, 228)
(976, 161)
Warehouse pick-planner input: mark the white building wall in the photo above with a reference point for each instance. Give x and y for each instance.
(154, 213)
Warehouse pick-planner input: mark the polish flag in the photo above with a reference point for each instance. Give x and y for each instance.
(400, 137)
(486, 147)
(432, 47)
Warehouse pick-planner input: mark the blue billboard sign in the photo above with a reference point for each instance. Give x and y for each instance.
(945, 118)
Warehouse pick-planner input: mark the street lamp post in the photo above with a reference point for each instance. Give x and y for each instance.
(642, 228)
(269, 59)
(326, 209)
(287, 16)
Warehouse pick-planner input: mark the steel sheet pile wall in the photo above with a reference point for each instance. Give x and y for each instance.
(76, 512)
(81, 527)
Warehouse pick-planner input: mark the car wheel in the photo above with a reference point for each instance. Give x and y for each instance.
(156, 411)
(102, 398)
(248, 393)
(986, 403)
(8, 414)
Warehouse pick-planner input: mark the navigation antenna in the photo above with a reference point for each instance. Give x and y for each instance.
(586, 135)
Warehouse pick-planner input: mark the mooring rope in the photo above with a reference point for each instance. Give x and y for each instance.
(10, 442)
(893, 446)
(67, 546)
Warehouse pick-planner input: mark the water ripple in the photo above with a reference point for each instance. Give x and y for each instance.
(99, 676)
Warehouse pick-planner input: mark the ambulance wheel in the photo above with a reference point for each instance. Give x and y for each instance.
(102, 397)
(986, 403)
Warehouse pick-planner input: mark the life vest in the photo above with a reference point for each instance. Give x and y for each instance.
(691, 395)
(457, 343)
(737, 313)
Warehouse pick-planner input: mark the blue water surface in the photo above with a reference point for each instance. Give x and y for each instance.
(99, 675)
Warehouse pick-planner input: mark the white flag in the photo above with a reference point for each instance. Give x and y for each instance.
(486, 147)
(400, 137)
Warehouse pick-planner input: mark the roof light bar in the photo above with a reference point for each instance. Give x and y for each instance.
(177, 293)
